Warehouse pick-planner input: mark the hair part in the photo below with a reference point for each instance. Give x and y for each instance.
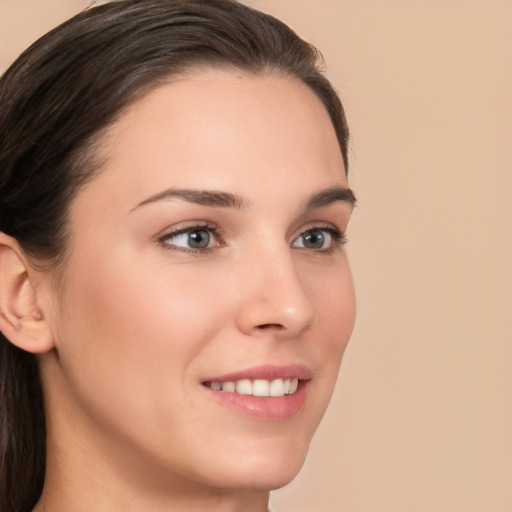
(57, 100)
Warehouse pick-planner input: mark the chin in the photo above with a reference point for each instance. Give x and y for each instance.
(267, 477)
(266, 467)
(274, 478)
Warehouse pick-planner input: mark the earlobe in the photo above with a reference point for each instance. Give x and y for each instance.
(21, 320)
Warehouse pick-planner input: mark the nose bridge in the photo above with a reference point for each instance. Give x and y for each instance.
(274, 297)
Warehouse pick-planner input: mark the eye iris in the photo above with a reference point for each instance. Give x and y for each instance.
(314, 239)
(199, 239)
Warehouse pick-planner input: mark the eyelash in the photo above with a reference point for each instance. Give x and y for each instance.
(206, 226)
(338, 238)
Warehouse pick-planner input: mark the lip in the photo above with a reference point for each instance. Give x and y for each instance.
(266, 372)
(277, 408)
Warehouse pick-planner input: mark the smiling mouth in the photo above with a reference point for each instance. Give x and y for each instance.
(257, 387)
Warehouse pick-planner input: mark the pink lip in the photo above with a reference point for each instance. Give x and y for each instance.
(265, 408)
(266, 372)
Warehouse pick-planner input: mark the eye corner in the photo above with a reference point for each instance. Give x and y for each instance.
(320, 239)
(180, 239)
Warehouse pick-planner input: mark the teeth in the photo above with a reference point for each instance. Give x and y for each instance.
(244, 387)
(228, 386)
(257, 387)
(276, 388)
(260, 388)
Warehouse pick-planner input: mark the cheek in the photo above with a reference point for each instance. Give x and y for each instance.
(334, 298)
(148, 309)
(136, 328)
(332, 292)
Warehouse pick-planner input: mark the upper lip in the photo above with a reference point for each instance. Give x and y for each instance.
(266, 372)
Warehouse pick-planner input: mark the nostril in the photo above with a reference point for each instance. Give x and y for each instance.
(277, 327)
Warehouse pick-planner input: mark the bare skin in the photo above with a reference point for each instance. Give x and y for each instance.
(144, 319)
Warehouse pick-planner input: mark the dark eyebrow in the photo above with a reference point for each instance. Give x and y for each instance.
(220, 199)
(203, 197)
(329, 196)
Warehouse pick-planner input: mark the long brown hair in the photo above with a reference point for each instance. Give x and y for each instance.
(55, 100)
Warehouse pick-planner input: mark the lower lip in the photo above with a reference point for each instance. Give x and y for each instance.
(269, 408)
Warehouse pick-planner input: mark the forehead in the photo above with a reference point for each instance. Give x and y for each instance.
(221, 130)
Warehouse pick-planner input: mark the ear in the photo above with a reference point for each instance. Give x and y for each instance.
(22, 321)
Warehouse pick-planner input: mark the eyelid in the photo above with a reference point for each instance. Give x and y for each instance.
(188, 227)
(338, 236)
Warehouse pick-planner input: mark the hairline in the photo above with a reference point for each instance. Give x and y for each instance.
(93, 157)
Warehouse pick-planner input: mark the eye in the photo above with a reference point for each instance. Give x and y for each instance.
(319, 239)
(194, 238)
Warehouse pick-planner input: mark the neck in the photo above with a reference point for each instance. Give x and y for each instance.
(91, 470)
(52, 501)
(70, 486)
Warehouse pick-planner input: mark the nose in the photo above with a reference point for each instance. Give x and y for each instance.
(274, 300)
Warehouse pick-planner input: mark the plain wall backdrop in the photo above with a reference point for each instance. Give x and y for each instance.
(421, 420)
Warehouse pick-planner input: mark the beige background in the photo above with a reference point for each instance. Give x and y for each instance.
(422, 417)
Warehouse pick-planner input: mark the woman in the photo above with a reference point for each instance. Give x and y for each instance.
(175, 295)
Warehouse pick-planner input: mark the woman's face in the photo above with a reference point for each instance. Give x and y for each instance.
(207, 253)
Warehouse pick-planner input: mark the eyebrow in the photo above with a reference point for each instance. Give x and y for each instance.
(220, 199)
(331, 195)
(203, 197)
